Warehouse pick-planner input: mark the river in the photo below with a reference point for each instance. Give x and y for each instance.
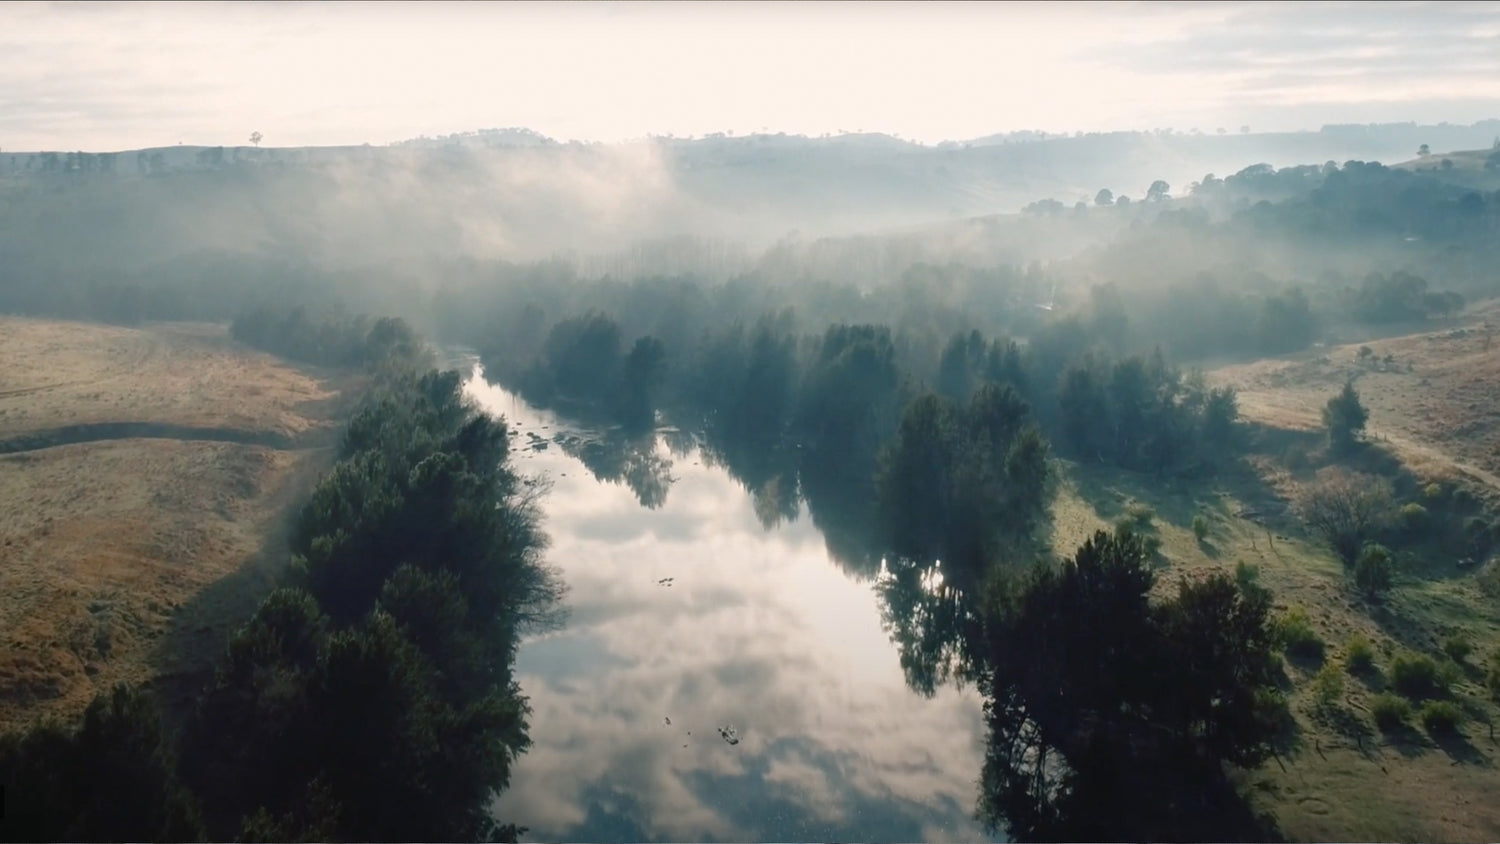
(718, 680)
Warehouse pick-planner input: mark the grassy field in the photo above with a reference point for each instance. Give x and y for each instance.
(1340, 776)
(1344, 778)
(1435, 405)
(127, 559)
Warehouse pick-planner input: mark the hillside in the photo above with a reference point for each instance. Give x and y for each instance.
(519, 196)
(144, 474)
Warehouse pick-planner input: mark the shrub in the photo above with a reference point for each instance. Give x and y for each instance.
(1200, 527)
(1295, 633)
(1374, 571)
(1432, 491)
(1141, 514)
(1413, 517)
(1415, 676)
(1248, 578)
(1448, 675)
(1359, 654)
(1457, 647)
(1441, 717)
(1328, 684)
(1390, 711)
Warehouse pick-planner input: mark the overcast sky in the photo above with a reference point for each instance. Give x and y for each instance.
(120, 76)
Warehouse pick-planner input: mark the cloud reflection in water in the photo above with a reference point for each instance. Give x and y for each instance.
(758, 630)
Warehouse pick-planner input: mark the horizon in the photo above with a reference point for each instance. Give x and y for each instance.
(90, 76)
(1042, 135)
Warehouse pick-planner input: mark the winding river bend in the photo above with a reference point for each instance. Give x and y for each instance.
(716, 679)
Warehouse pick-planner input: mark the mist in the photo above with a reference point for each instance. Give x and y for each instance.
(803, 422)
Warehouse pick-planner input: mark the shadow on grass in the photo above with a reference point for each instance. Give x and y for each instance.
(1460, 749)
(198, 633)
(1403, 738)
(1371, 677)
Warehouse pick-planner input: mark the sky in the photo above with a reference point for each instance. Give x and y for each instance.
(98, 77)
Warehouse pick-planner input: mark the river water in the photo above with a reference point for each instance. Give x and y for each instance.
(758, 631)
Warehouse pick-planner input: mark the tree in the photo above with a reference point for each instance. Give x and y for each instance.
(643, 367)
(255, 138)
(1158, 191)
(1374, 570)
(1424, 150)
(1346, 509)
(1090, 682)
(1344, 417)
(1219, 414)
(112, 779)
(1104, 197)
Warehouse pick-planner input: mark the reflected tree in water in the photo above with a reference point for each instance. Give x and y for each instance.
(633, 461)
(933, 624)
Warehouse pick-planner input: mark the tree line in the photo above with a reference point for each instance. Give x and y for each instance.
(371, 696)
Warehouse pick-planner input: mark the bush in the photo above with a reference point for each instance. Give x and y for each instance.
(1448, 675)
(1141, 514)
(1294, 631)
(1328, 684)
(1390, 711)
(1200, 527)
(1441, 717)
(1432, 491)
(1374, 571)
(1413, 517)
(1457, 647)
(1416, 677)
(1248, 578)
(1359, 654)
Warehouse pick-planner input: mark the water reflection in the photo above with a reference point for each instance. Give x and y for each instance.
(761, 630)
(617, 457)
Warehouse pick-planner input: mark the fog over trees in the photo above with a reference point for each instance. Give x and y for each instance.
(916, 346)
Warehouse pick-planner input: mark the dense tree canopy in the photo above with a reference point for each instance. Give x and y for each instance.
(1091, 685)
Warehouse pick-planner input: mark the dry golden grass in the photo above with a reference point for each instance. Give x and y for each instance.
(71, 373)
(115, 555)
(1438, 407)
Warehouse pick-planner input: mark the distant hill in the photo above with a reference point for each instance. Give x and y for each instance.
(1476, 168)
(516, 194)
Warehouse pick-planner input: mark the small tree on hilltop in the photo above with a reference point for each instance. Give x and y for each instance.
(1346, 509)
(1345, 418)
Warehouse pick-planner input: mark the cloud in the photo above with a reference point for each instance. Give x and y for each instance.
(129, 75)
(759, 631)
(1364, 48)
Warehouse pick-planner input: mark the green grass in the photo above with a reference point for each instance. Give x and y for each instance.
(1332, 789)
